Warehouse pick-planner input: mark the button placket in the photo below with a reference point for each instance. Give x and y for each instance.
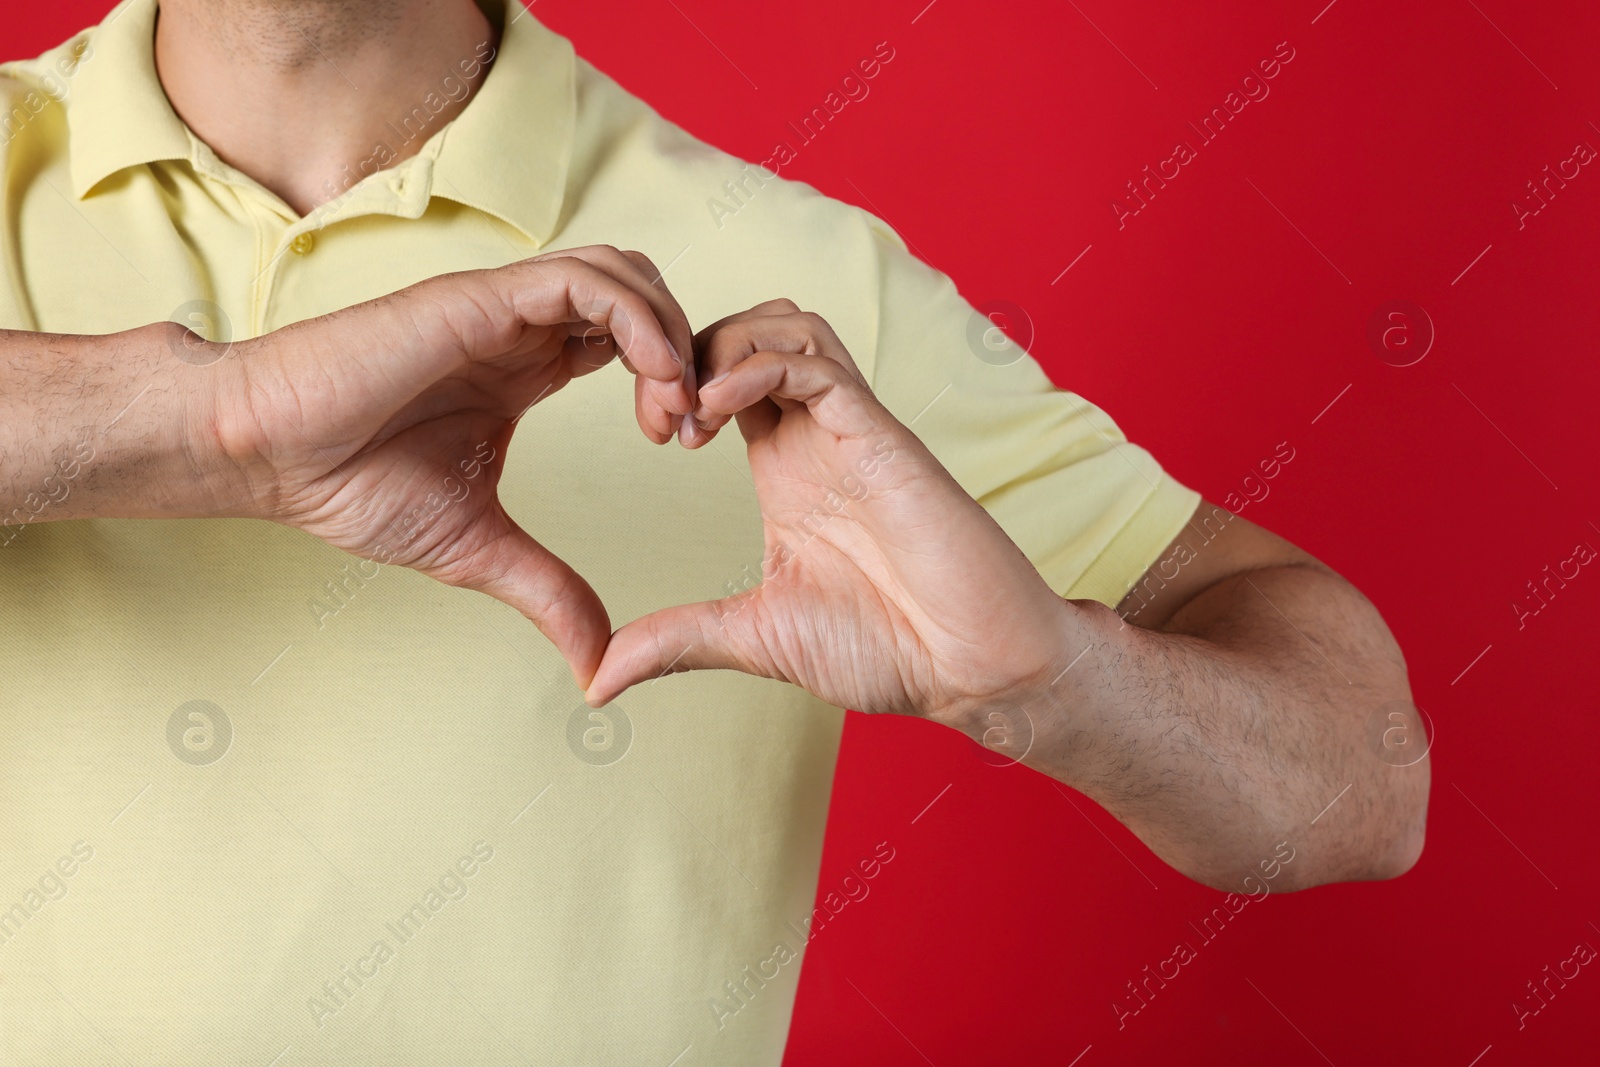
(269, 225)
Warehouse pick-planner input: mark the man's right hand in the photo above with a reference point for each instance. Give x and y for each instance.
(355, 426)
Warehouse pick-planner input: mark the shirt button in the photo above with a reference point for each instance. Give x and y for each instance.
(303, 244)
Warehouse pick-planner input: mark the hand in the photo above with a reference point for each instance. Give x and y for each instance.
(382, 429)
(885, 587)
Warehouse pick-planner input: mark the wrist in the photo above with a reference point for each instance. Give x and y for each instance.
(212, 441)
(1030, 691)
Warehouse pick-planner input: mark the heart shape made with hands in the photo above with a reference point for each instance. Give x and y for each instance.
(885, 587)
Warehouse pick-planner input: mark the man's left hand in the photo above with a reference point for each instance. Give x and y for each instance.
(885, 587)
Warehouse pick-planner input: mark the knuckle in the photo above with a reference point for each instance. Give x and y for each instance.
(640, 260)
(601, 253)
(544, 266)
(780, 306)
(815, 322)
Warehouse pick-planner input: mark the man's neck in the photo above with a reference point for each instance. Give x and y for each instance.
(300, 94)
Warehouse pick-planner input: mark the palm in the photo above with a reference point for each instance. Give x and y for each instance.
(414, 480)
(894, 596)
(424, 498)
(823, 577)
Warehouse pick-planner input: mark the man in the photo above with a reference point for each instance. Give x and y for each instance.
(271, 798)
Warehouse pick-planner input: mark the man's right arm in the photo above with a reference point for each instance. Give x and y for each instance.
(339, 425)
(113, 426)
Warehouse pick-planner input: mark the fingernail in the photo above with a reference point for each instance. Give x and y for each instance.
(677, 421)
(674, 350)
(686, 432)
(715, 380)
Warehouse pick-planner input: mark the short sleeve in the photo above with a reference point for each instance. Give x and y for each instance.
(1090, 510)
(18, 156)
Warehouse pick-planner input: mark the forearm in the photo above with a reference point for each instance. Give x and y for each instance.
(1236, 725)
(113, 426)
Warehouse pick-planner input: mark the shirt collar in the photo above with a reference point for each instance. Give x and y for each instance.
(118, 115)
(506, 154)
(508, 151)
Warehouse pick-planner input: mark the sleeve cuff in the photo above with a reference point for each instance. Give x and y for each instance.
(1133, 549)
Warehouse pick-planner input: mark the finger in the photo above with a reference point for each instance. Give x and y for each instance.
(687, 638)
(655, 415)
(592, 295)
(781, 306)
(626, 268)
(661, 396)
(567, 291)
(772, 330)
(658, 424)
(713, 360)
(590, 349)
(518, 571)
(660, 406)
(675, 321)
(758, 420)
(636, 270)
(683, 422)
(839, 401)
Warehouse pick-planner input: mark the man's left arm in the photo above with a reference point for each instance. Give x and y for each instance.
(1229, 722)
(1248, 703)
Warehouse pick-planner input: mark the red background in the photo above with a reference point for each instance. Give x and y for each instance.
(1213, 327)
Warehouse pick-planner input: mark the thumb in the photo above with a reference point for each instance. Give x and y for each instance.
(519, 571)
(690, 637)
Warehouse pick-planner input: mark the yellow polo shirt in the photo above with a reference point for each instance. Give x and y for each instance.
(264, 803)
